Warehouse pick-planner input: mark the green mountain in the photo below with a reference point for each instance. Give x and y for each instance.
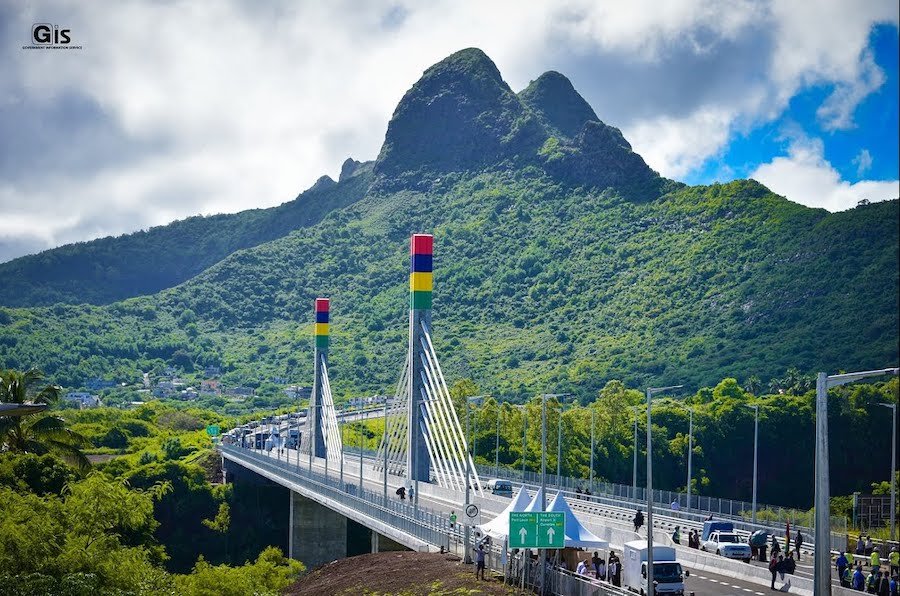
(561, 261)
(110, 269)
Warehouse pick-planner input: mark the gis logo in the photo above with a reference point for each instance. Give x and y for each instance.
(48, 34)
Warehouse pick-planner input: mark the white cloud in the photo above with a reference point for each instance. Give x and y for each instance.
(806, 177)
(863, 162)
(178, 108)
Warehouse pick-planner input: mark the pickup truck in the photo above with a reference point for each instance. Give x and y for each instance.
(728, 545)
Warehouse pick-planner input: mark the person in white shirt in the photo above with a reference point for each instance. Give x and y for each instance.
(582, 568)
(676, 506)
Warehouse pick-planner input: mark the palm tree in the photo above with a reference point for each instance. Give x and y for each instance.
(37, 434)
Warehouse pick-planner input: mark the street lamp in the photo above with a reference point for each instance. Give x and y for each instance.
(559, 430)
(497, 444)
(650, 392)
(591, 481)
(892, 480)
(824, 382)
(634, 468)
(690, 449)
(755, 451)
(469, 461)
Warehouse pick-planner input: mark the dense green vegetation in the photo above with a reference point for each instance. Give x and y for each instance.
(145, 520)
(111, 269)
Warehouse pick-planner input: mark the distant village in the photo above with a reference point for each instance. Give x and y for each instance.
(170, 385)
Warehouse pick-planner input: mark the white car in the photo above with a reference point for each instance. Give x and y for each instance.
(728, 545)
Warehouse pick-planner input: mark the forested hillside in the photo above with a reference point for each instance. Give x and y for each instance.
(111, 269)
(561, 261)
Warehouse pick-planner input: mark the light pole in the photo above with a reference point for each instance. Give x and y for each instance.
(755, 454)
(690, 452)
(591, 482)
(497, 444)
(469, 462)
(892, 478)
(650, 392)
(634, 468)
(385, 450)
(824, 382)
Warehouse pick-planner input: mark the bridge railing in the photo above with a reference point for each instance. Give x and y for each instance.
(420, 522)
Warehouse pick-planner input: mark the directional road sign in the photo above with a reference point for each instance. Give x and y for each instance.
(537, 529)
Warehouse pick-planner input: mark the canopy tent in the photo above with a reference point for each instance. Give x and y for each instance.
(498, 528)
(576, 534)
(535, 504)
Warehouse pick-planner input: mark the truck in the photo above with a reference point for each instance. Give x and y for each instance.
(667, 572)
(710, 526)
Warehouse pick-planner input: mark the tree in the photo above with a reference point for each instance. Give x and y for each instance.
(37, 434)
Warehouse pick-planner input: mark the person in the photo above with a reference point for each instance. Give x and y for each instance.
(851, 561)
(884, 585)
(595, 562)
(638, 520)
(582, 567)
(859, 580)
(479, 562)
(875, 558)
(612, 569)
(841, 564)
(871, 582)
(402, 493)
(894, 560)
(676, 535)
(776, 547)
(601, 570)
(798, 542)
(790, 565)
(452, 519)
(411, 492)
(773, 569)
(845, 578)
(870, 546)
(675, 505)
(781, 567)
(894, 586)
(860, 545)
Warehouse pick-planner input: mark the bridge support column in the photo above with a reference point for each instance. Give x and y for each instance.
(316, 401)
(418, 463)
(317, 534)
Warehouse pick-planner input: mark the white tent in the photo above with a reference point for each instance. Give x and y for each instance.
(576, 534)
(498, 528)
(535, 504)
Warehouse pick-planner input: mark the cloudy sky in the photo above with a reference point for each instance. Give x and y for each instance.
(176, 108)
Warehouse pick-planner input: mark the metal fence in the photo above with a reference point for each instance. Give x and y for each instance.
(420, 522)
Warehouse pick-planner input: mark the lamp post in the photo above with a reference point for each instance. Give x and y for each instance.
(385, 450)
(892, 478)
(469, 462)
(651, 391)
(824, 382)
(755, 454)
(634, 468)
(690, 453)
(591, 481)
(497, 444)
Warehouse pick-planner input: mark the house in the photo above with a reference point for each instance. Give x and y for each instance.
(212, 371)
(83, 399)
(210, 387)
(241, 391)
(188, 394)
(298, 392)
(98, 384)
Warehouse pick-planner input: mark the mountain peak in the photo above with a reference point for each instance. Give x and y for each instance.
(458, 116)
(558, 105)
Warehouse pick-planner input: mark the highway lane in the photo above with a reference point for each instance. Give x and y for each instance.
(700, 582)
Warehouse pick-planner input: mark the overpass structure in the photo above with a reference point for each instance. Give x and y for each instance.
(423, 451)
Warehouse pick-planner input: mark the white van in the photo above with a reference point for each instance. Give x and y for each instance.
(667, 572)
(500, 487)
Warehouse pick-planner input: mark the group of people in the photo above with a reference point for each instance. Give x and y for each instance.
(608, 570)
(779, 565)
(877, 581)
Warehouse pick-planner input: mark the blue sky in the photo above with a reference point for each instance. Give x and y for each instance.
(874, 132)
(224, 106)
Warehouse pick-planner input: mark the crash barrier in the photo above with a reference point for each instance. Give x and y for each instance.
(427, 526)
(556, 581)
(698, 509)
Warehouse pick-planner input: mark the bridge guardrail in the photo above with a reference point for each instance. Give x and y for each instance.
(421, 523)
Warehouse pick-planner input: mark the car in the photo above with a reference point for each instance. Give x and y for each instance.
(500, 487)
(728, 545)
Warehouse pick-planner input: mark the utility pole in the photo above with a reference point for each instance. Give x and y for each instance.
(690, 453)
(634, 469)
(892, 477)
(497, 444)
(755, 454)
(591, 483)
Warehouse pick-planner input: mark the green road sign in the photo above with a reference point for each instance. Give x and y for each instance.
(537, 530)
(212, 430)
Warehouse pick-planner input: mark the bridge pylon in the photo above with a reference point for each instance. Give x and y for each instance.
(427, 443)
(321, 435)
